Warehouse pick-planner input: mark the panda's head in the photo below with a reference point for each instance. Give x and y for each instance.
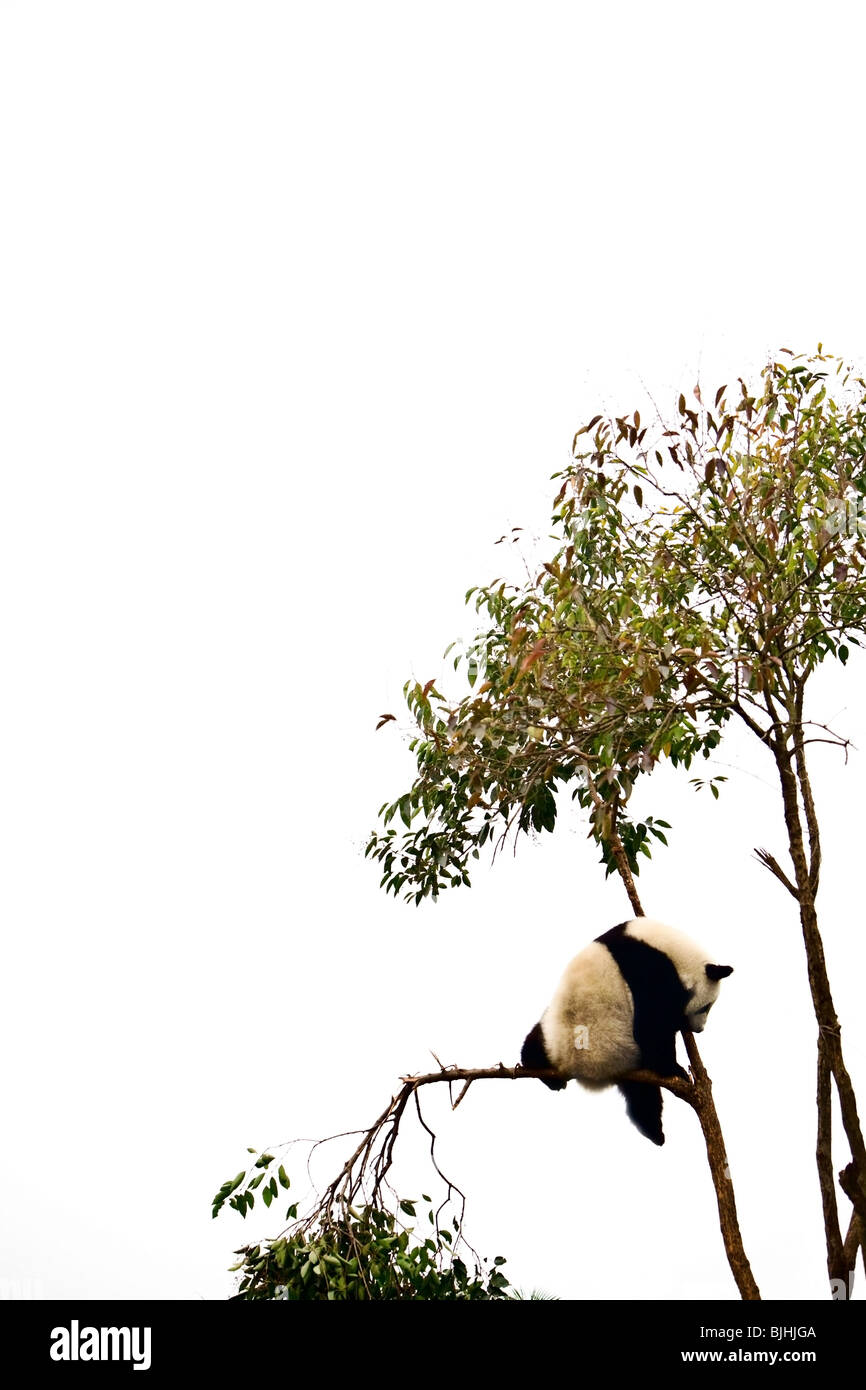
(704, 992)
(700, 980)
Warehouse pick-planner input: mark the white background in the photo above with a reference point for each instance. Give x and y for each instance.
(300, 307)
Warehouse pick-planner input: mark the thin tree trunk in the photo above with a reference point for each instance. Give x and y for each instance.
(830, 1032)
(722, 1181)
(701, 1101)
(836, 1265)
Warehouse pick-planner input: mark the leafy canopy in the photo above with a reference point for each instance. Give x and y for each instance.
(702, 569)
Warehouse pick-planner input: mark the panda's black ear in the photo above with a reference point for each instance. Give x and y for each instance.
(719, 972)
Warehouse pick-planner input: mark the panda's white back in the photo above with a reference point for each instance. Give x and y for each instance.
(588, 1026)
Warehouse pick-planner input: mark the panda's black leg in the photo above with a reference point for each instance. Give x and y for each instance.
(644, 1106)
(659, 1054)
(665, 1064)
(533, 1056)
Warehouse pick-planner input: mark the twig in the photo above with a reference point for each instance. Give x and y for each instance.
(454, 1104)
(765, 857)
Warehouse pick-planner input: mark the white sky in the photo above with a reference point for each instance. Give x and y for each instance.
(300, 306)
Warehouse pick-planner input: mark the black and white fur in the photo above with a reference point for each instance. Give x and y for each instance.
(619, 1006)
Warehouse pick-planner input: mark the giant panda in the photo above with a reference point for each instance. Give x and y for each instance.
(619, 1007)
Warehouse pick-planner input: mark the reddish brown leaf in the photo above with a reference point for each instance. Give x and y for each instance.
(532, 657)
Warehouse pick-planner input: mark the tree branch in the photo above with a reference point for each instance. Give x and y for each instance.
(500, 1072)
(765, 857)
(616, 845)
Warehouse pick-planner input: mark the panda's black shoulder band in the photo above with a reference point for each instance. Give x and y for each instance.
(658, 993)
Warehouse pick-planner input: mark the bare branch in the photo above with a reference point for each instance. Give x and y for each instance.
(765, 857)
(463, 1091)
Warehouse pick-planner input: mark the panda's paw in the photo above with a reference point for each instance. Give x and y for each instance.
(678, 1072)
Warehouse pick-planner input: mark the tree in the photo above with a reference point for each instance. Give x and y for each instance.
(702, 572)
